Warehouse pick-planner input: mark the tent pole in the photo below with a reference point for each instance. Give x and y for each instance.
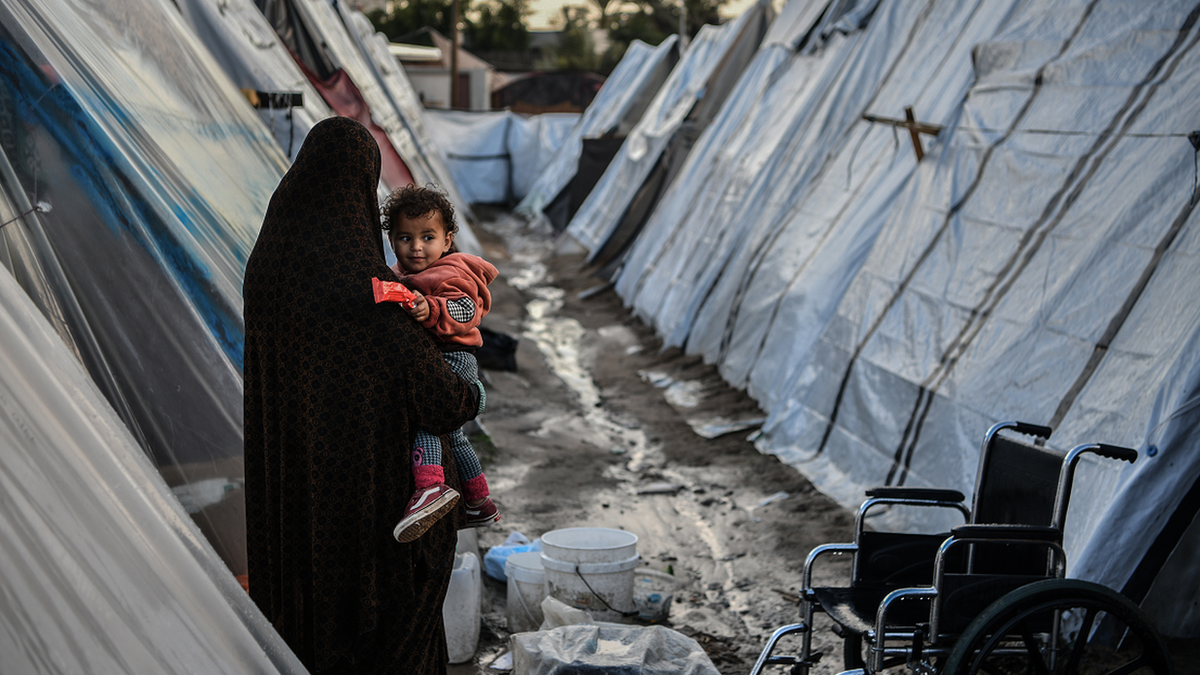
(454, 102)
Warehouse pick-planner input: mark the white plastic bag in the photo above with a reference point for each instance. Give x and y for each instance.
(609, 649)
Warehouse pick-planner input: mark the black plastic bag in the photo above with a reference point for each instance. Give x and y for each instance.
(499, 351)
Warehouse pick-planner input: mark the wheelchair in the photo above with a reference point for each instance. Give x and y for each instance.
(989, 596)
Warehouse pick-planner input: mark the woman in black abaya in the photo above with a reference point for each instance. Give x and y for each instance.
(335, 388)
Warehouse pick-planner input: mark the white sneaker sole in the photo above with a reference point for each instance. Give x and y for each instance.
(417, 523)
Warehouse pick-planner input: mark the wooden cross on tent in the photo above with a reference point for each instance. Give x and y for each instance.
(915, 128)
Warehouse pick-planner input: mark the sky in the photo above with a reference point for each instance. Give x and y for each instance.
(547, 14)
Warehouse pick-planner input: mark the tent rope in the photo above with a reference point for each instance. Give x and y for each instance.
(40, 207)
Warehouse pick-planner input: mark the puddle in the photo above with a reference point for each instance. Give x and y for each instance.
(559, 338)
(531, 274)
(681, 528)
(685, 395)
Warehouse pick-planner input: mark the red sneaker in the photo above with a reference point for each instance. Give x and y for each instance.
(424, 509)
(482, 515)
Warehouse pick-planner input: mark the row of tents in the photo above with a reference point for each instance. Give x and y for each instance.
(895, 223)
(140, 143)
(1021, 249)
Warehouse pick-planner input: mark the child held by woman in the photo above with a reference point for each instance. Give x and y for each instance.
(452, 297)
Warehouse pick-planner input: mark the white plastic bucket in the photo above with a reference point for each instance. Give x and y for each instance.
(461, 612)
(526, 590)
(591, 568)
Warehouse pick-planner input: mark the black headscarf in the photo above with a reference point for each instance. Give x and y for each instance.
(335, 388)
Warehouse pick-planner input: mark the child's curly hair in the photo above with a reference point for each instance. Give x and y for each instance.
(413, 201)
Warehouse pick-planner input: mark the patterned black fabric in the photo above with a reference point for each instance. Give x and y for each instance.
(335, 388)
(461, 310)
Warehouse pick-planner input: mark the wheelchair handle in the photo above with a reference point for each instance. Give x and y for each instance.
(1116, 452)
(1039, 430)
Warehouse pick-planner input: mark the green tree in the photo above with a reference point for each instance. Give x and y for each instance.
(625, 27)
(651, 21)
(408, 16)
(498, 25)
(487, 25)
(576, 48)
(602, 5)
(699, 12)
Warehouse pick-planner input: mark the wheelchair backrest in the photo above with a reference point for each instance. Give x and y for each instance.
(1017, 483)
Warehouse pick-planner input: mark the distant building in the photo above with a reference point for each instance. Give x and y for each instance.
(429, 72)
(539, 56)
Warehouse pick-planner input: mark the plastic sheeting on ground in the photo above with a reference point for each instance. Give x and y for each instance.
(688, 82)
(103, 571)
(496, 156)
(609, 648)
(616, 109)
(1038, 263)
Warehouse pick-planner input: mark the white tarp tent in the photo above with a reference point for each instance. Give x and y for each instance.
(617, 107)
(104, 573)
(429, 158)
(688, 82)
(251, 54)
(1037, 264)
(157, 171)
(339, 36)
(498, 155)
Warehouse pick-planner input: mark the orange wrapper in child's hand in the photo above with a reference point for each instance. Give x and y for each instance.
(391, 291)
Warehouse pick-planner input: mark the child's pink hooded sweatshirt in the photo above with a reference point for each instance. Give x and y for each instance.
(455, 286)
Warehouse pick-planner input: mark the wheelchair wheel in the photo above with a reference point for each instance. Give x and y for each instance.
(1060, 627)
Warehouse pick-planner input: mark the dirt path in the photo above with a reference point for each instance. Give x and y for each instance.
(596, 415)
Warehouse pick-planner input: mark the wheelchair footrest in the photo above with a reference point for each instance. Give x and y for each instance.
(789, 660)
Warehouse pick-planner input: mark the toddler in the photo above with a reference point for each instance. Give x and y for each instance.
(451, 299)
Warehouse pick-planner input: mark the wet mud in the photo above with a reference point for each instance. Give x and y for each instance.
(601, 427)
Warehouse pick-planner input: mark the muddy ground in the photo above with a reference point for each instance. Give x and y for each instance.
(600, 426)
(589, 420)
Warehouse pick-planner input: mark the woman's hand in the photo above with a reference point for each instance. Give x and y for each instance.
(420, 308)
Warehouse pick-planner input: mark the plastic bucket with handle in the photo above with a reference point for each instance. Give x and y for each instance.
(526, 589)
(591, 568)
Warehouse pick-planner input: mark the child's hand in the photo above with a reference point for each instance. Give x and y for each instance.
(420, 308)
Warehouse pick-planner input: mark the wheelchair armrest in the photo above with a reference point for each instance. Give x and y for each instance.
(1007, 532)
(1039, 537)
(907, 496)
(917, 494)
(817, 553)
